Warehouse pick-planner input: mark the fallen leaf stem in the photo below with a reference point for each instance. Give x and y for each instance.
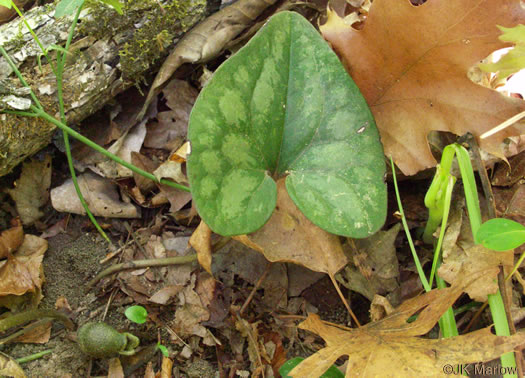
(27, 316)
(35, 356)
(140, 264)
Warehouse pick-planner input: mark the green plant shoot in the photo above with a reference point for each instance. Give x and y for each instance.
(137, 314)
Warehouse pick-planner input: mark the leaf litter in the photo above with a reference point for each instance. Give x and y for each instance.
(202, 306)
(392, 344)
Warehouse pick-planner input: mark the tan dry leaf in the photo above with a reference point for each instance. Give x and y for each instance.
(115, 368)
(201, 241)
(9, 367)
(11, 239)
(101, 196)
(206, 41)
(23, 272)
(391, 344)
(31, 190)
(411, 65)
(167, 366)
(289, 236)
(462, 257)
(460, 262)
(39, 335)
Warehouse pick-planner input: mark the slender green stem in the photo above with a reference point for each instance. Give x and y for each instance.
(33, 357)
(446, 210)
(497, 307)
(471, 190)
(20, 77)
(61, 62)
(42, 114)
(501, 327)
(35, 37)
(27, 316)
(419, 268)
(447, 322)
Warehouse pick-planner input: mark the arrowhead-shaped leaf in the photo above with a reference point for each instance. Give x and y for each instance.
(285, 106)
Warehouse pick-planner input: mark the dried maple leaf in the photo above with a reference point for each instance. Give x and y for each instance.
(411, 65)
(390, 345)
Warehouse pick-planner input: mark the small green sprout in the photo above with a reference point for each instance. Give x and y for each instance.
(137, 314)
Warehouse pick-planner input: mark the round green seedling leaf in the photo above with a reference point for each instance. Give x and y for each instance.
(163, 350)
(287, 367)
(285, 106)
(501, 234)
(136, 314)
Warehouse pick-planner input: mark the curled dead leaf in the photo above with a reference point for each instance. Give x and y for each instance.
(11, 239)
(201, 241)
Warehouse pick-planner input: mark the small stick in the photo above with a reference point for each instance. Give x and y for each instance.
(334, 282)
(502, 125)
(256, 287)
(140, 264)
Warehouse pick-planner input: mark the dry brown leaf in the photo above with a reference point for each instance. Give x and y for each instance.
(144, 184)
(164, 295)
(167, 365)
(207, 40)
(11, 239)
(101, 196)
(31, 190)
(22, 272)
(375, 269)
(411, 65)
(466, 261)
(172, 126)
(391, 344)
(201, 241)
(39, 335)
(9, 367)
(289, 236)
(115, 368)
(149, 373)
(462, 257)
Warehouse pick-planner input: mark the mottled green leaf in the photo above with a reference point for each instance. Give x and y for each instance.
(285, 106)
(501, 234)
(6, 3)
(67, 7)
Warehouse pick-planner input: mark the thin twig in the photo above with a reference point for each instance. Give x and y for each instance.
(140, 264)
(256, 287)
(334, 282)
(503, 125)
